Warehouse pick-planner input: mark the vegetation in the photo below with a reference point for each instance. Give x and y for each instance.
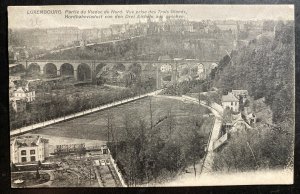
(55, 101)
(29, 178)
(185, 87)
(266, 69)
(254, 150)
(153, 154)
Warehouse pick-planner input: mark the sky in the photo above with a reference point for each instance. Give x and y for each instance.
(25, 16)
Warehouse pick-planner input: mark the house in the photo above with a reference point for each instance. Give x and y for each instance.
(166, 68)
(25, 94)
(243, 94)
(19, 105)
(28, 149)
(14, 78)
(239, 123)
(230, 101)
(104, 149)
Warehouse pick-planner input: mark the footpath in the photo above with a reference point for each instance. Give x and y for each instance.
(79, 114)
(217, 110)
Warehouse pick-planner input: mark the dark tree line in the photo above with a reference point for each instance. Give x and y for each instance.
(156, 152)
(50, 106)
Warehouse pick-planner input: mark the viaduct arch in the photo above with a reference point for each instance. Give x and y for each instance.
(86, 70)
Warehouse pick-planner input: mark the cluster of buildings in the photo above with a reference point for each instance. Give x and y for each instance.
(233, 99)
(237, 116)
(22, 40)
(238, 102)
(20, 96)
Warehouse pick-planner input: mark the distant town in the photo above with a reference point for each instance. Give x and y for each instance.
(32, 43)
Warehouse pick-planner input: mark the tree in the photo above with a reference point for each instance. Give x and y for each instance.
(196, 150)
(151, 113)
(100, 80)
(109, 125)
(37, 176)
(171, 121)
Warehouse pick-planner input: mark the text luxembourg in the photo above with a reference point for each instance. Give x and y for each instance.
(44, 12)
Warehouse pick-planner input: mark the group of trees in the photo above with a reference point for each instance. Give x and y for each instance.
(131, 78)
(256, 150)
(49, 105)
(181, 88)
(152, 151)
(266, 69)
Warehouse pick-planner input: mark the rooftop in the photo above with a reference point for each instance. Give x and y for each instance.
(29, 141)
(244, 91)
(164, 58)
(229, 98)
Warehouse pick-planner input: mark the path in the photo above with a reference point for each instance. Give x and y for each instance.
(98, 177)
(79, 114)
(46, 184)
(217, 110)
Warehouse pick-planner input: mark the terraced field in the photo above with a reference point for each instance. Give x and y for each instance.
(94, 126)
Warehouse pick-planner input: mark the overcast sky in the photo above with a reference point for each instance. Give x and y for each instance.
(23, 17)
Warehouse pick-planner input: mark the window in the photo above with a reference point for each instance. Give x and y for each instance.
(32, 152)
(23, 159)
(105, 151)
(231, 103)
(32, 158)
(23, 152)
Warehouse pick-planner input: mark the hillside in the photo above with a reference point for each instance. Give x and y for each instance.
(208, 47)
(266, 69)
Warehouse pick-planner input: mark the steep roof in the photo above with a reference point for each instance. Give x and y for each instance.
(229, 98)
(29, 141)
(240, 91)
(164, 58)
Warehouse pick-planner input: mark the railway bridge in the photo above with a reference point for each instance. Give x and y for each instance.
(84, 70)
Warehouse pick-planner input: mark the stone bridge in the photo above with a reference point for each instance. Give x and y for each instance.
(83, 70)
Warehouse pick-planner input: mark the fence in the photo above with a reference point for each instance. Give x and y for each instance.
(220, 141)
(117, 171)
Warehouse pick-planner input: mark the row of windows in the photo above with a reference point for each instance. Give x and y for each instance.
(23, 152)
(235, 103)
(24, 159)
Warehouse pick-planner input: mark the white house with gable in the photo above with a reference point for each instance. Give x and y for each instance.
(28, 149)
(230, 101)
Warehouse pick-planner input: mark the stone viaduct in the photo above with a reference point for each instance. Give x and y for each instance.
(86, 70)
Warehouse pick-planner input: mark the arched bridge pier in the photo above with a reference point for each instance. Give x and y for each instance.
(165, 71)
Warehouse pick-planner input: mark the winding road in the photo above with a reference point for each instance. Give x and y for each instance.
(217, 110)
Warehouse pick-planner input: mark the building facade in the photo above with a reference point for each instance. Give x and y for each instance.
(29, 149)
(17, 104)
(231, 102)
(25, 94)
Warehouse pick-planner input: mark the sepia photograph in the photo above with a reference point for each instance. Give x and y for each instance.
(151, 95)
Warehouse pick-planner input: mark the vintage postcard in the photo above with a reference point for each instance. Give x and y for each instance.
(151, 95)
